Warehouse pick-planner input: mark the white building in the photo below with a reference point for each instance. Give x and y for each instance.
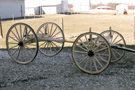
(121, 7)
(12, 8)
(81, 5)
(45, 7)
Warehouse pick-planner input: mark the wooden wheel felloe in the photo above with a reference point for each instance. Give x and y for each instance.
(91, 53)
(22, 43)
(51, 39)
(115, 38)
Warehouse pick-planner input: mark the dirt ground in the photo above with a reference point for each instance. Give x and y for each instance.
(60, 73)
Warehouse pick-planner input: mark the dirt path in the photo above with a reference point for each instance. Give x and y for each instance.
(60, 73)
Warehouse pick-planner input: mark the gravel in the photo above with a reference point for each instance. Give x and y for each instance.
(60, 73)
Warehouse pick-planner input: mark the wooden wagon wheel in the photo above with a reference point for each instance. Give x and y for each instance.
(22, 43)
(91, 53)
(115, 38)
(56, 38)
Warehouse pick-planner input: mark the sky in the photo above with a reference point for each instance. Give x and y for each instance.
(102, 1)
(75, 2)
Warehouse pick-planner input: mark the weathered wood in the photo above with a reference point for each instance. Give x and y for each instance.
(1, 32)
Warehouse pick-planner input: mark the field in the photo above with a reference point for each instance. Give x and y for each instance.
(75, 25)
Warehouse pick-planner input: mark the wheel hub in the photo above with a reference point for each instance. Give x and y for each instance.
(90, 53)
(20, 43)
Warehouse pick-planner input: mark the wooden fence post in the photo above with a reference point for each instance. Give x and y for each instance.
(62, 24)
(1, 33)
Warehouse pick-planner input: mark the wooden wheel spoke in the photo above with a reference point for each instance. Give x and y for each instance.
(28, 52)
(54, 31)
(82, 48)
(115, 39)
(98, 55)
(12, 43)
(17, 33)
(98, 62)
(86, 64)
(96, 40)
(114, 54)
(18, 54)
(81, 52)
(15, 51)
(83, 44)
(98, 46)
(32, 44)
(80, 56)
(90, 63)
(117, 52)
(95, 43)
(42, 44)
(28, 32)
(45, 45)
(13, 47)
(102, 49)
(29, 49)
(13, 39)
(22, 53)
(53, 47)
(50, 47)
(25, 53)
(56, 34)
(118, 41)
(41, 32)
(104, 55)
(47, 48)
(95, 65)
(21, 32)
(51, 29)
(83, 60)
(55, 44)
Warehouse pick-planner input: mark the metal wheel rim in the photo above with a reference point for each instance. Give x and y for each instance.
(51, 48)
(116, 53)
(19, 50)
(84, 61)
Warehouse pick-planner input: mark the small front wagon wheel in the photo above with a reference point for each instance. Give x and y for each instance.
(91, 53)
(22, 43)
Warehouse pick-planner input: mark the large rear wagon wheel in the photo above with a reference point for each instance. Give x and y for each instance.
(115, 38)
(91, 53)
(52, 31)
(22, 43)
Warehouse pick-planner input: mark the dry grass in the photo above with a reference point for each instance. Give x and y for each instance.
(78, 24)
